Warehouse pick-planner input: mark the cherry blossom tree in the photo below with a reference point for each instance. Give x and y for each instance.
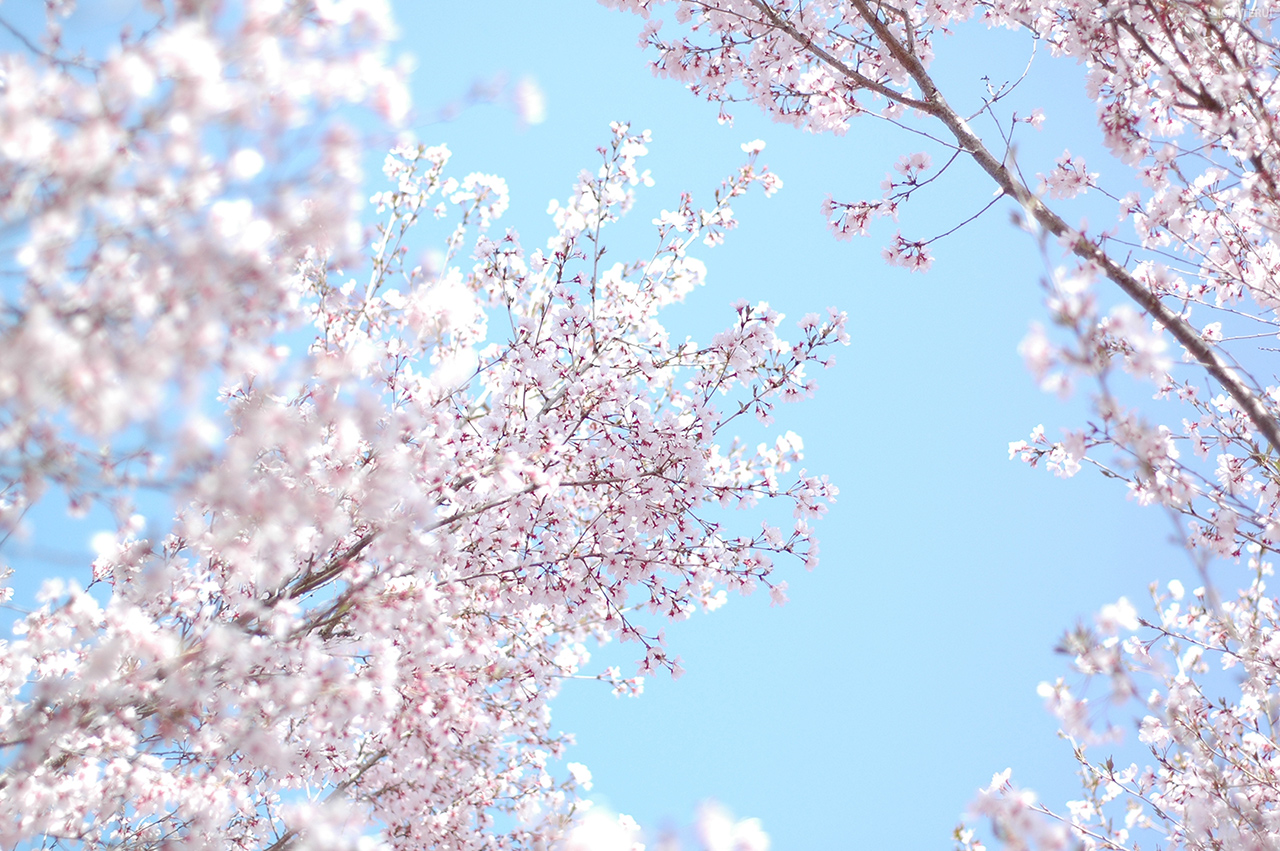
(1185, 93)
(390, 542)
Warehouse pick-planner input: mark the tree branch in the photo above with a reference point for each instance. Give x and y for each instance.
(937, 106)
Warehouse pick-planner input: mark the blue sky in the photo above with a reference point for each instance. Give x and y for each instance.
(868, 711)
(902, 673)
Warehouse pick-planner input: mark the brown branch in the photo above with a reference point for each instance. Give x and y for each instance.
(335, 566)
(1182, 331)
(780, 23)
(936, 105)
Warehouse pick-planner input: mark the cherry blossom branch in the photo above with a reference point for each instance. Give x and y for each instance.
(288, 838)
(782, 24)
(935, 104)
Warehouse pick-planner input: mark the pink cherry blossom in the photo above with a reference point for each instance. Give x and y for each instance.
(391, 543)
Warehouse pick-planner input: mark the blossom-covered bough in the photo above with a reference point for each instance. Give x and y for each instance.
(1186, 97)
(391, 545)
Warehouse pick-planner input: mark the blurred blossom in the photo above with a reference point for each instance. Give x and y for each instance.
(530, 101)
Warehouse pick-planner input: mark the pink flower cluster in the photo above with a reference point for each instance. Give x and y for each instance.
(390, 548)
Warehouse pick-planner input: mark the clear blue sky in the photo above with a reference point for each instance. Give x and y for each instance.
(902, 674)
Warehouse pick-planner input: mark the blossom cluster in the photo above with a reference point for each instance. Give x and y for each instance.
(389, 548)
(1202, 675)
(154, 203)
(715, 827)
